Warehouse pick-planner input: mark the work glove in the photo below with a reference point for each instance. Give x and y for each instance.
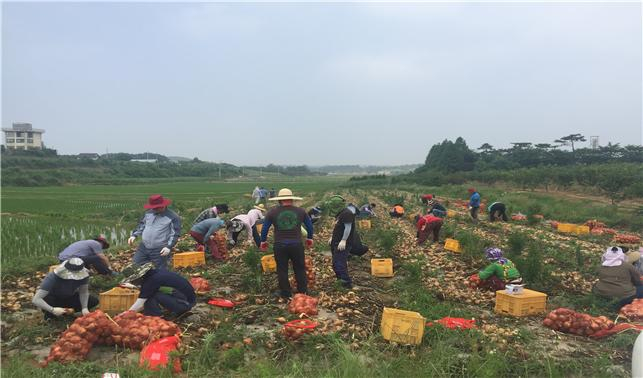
(165, 251)
(58, 311)
(127, 285)
(131, 240)
(330, 240)
(309, 243)
(85, 311)
(263, 246)
(342, 245)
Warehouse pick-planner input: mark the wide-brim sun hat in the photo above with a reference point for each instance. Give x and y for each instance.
(72, 269)
(632, 257)
(260, 207)
(156, 201)
(133, 272)
(284, 194)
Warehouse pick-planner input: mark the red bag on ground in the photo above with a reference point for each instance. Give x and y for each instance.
(156, 354)
(633, 311)
(454, 323)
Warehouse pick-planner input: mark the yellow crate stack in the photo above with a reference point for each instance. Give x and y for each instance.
(382, 267)
(567, 227)
(529, 302)
(268, 263)
(400, 326)
(117, 300)
(582, 230)
(188, 259)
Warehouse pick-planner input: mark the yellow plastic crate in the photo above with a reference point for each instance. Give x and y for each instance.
(529, 302)
(268, 263)
(117, 300)
(188, 259)
(382, 267)
(400, 326)
(452, 245)
(582, 230)
(567, 227)
(364, 224)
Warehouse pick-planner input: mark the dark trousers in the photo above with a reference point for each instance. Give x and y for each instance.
(295, 253)
(474, 214)
(255, 236)
(498, 212)
(68, 302)
(340, 265)
(432, 228)
(211, 245)
(628, 300)
(94, 261)
(175, 303)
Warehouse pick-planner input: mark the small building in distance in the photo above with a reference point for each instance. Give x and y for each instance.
(143, 160)
(22, 136)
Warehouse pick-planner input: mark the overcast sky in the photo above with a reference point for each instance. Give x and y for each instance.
(319, 84)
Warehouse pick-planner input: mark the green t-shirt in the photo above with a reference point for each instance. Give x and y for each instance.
(505, 272)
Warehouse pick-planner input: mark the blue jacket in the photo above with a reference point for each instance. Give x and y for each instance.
(159, 230)
(475, 200)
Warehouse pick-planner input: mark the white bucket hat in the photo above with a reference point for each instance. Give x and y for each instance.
(72, 269)
(284, 194)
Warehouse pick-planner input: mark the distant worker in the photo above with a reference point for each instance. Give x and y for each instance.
(345, 241)
(160, 228)
(204, 231)
(367, 211)
(428, 225)
(67, 287)
(397, 211)
(618, 279)
(160, 290)
(256, 193)
(315, 214)
(246, 222)
(474, 204)
(272, 193)
(499, 273)
(425, 198)
(91, 252)
(212, 212)
(436, 208)
(287, 220)
(263, 195)
(498, 211)
(636, 259)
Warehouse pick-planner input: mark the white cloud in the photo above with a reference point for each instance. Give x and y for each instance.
(202, 21)
(378, 68)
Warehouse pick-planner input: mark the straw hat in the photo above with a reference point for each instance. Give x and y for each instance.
(133, 272)
(260, 207)
(72, 269)
(632, 257)
(284, 194)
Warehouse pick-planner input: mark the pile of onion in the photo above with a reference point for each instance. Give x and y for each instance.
(135, 330)
(297, 328)
(518, 217)
(627, 239)
(633, 311)
(473, 281)
(593, 223)
(75, 343)
(303, 304)
(200, 285)
(569, 321)
(222, 244)
(310, 274)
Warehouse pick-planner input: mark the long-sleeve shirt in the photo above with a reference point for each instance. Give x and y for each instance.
(208, 227)
(505, 272)
(249, 220)
(287, 221)
(617, 281)
(81, 248)
(427, 219)
(205, 214)
(475, 200)
(159, 230)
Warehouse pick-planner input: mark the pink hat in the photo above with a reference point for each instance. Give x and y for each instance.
(156, 201)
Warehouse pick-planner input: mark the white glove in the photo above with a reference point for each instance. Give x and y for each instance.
(342, 245)
(231, 242)
(165, 251)
(131, 240)
(128, 285)
(58, 311)
(85, 311)
(330, 240)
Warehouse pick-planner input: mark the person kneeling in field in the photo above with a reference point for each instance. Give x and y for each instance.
(160, 289)
(203, 232)
(428, 225)
(67, 287)
(91, 252)
(498, 274)
(248, 222)
(618, 279)
(397, 211)
(212, 212)
(498, 211)
(436, 208)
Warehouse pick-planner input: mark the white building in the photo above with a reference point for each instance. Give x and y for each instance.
(23, 137)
